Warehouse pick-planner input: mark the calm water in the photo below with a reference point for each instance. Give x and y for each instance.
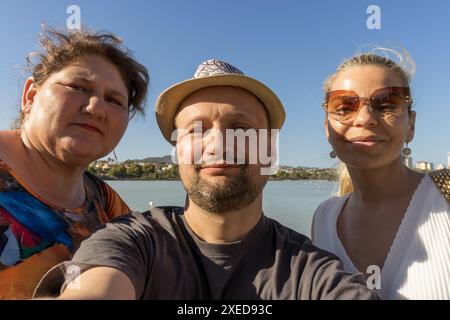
(290, 202)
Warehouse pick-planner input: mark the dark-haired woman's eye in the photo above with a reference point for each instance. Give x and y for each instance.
(77, 87)
(116, 102)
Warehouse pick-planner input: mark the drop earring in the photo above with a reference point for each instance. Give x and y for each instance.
(406, 151)
(332, 154)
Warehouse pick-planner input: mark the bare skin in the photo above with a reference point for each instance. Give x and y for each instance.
(221, 108)
(383, 185)
(100, 283)
(235, 109)
(76, 116)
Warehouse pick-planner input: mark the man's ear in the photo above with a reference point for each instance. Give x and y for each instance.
(29, 92)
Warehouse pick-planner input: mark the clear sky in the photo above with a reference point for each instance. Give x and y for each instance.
(292, 46)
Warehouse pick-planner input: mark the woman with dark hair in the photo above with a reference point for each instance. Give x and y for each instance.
(76, 107)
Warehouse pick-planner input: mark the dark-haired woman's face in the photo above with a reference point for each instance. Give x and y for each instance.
(369, 141)
(80, 112)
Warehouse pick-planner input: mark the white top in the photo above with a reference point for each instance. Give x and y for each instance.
(417, 265)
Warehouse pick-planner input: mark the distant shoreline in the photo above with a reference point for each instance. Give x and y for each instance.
(270, 179)
(160, 169)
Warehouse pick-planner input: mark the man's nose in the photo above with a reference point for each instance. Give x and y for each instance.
(214, 140)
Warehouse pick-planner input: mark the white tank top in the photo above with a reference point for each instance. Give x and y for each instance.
(417, 265)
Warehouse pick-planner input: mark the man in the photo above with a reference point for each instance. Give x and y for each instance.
(220, 245)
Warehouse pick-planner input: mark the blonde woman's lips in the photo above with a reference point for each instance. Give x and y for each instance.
(367, 141)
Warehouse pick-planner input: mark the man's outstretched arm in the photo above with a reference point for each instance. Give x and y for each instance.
(100, 283)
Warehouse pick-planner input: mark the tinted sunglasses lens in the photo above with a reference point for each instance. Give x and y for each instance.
(388, 104)
(343, 106)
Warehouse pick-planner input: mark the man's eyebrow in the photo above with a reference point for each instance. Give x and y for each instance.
(241, 114)
(191, 118)
(245, 116)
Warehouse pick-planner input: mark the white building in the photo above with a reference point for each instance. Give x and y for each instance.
(409, 162)
(424, 165)
(448, 160)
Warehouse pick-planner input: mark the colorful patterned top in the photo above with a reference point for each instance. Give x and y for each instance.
(36, 235)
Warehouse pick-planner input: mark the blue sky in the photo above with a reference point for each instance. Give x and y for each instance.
(292, 46)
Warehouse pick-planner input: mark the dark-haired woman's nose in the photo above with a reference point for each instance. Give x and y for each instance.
(96, 107)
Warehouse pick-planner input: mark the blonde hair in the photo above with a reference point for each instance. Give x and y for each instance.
(398, 61)
(345, 182)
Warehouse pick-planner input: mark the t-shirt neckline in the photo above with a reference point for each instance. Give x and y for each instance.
(228, 249)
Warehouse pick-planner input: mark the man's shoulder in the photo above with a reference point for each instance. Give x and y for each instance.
(296, 243)
(162, 213)
(331, 202)
(166, 217)
(285, 232)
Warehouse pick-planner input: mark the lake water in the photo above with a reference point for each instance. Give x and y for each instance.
(292, 203)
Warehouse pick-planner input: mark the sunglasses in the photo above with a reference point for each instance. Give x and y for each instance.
(344, 105)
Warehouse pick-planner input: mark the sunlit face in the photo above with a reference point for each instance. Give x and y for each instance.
(80, 112)
(369, 141)
(213, 184)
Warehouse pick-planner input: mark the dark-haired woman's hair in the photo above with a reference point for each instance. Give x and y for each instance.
(62, 48)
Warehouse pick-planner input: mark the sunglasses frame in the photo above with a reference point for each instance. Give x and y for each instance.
(368, 101)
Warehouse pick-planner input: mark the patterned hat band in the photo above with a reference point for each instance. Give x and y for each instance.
(215, 67)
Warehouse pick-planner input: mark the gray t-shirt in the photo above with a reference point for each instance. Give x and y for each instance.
(164, 259)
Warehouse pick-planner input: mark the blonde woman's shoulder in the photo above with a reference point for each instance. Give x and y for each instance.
(325, 210)
(331, 202)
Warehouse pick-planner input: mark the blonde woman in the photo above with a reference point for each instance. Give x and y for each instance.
(388, 218)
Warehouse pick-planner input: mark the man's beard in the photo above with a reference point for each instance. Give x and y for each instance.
(235, 193)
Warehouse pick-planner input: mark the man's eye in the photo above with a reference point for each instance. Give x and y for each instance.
(197, 130)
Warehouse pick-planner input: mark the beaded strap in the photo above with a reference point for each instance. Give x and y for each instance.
(442, 180)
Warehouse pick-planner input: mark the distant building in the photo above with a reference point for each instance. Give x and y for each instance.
(424, 165)
(409, 162)
(440, 166)
(170, 166)
(448, 160)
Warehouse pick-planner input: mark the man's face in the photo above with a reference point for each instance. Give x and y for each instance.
(222, 179)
